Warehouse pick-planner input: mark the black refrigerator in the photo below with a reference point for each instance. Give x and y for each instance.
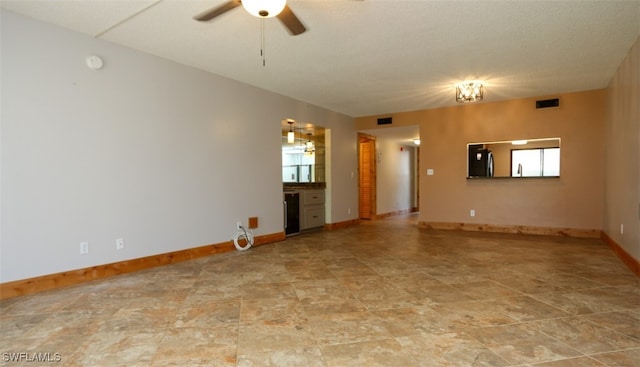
(480, 161)
(291, 213)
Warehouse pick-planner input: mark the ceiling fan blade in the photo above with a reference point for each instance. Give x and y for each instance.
(293, 24)
(214, 12)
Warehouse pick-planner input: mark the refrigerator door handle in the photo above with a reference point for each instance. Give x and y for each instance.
(285, 213)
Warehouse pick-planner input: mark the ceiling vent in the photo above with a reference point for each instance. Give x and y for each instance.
(384, 121)
(546, 103)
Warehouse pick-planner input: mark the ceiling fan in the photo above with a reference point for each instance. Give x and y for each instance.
(260, 9)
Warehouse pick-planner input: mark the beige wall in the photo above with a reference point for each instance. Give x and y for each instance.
(575, 200)
(622, 183)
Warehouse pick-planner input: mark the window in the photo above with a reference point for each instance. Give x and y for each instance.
(544, 162)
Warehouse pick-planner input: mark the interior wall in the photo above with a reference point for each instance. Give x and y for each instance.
(166, 156)
(575, 200)
(622, 174)
(394, 190)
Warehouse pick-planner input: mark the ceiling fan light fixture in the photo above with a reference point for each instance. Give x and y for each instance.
(469, 91)
(264, 8)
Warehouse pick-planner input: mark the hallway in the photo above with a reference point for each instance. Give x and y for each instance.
(383, 293)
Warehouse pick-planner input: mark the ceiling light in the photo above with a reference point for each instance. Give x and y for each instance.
(264, 8)
(309, 147)
(291, 138)
(416, 141)
(469, 91)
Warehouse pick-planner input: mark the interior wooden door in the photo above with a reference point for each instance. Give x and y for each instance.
(367, 176)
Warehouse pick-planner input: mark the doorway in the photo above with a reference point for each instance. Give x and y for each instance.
(367, 176)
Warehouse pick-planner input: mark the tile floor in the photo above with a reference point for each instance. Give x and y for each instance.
(384, 293)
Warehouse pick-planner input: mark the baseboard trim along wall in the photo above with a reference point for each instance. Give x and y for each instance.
(67, 278)
(340, 225)
(394, 213)
(546, 231)
(627, 259)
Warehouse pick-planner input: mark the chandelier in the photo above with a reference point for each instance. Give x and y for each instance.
(469, 91)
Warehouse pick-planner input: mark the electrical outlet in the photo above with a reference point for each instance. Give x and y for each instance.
(348, 210)
(84, 248)
(621, 228)
(472, 213)
(238, 224)
(120, 244)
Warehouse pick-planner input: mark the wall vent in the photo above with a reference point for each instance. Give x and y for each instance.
(384, 121)
(546, 103)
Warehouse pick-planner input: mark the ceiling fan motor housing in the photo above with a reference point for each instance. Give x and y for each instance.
(264, 8)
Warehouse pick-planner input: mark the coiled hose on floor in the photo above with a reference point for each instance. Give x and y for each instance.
(243, 234)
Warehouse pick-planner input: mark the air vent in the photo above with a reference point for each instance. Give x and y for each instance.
(384, 121)
(548, 103)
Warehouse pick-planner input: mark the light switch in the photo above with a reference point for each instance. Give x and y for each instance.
(429, 171)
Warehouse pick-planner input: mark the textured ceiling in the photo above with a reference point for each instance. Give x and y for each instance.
(374, 56)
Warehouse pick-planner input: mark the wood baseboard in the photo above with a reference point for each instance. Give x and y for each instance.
(627, 259)
(67, 278)
(340, 225)
(392, 214)
(547, 231)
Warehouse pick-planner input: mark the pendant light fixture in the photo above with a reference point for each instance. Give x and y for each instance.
(291, 136)
(309, 148)
(264, 8)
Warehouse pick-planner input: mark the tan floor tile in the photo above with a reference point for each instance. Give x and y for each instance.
(524, 308)
(376, 353)
(522, 343)
(352, 327)
(413, 280)
(482, 290)
(525, 283)
(378, 293)
(207, 315)
(623, 358)
(449, 349)
(307, 357)
(568, 281)
(576, 303)
(571, 362)
(413, 320)
(470, 314)
(118, 348)
(270, 309)
(273, 335)
(585, 336)
(438, 293)
(624, 296)
(213, 346)
(624, 322)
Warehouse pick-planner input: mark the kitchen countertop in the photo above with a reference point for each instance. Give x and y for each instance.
(289, 186)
